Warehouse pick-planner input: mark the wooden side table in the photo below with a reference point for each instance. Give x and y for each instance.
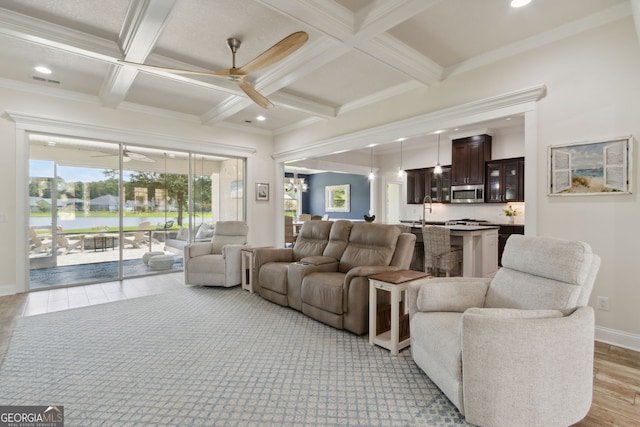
(395, 282)
(247, 268)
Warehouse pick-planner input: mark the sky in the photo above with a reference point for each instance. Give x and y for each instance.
(44, 169)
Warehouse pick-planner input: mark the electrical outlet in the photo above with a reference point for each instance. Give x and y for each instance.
(603, 303)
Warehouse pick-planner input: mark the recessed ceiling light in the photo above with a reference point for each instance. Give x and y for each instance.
(51, 143)
(261, 118)
(519, 3)
(42, 69)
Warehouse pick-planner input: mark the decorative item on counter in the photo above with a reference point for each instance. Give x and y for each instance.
(369, 218)
(511, 212)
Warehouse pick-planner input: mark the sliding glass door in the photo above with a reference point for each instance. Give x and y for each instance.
(99, 211)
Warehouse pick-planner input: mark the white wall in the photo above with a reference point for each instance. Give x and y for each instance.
(88, 117)
(592, 89)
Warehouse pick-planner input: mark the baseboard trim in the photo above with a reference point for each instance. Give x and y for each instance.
(618, 338)
(9, 289)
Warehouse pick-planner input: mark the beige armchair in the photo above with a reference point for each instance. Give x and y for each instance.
(217, 263)
(516, 350)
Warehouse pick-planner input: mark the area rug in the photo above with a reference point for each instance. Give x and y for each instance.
(212, 356)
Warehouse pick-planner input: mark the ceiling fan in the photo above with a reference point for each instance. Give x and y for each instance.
(127, 156)
(275, 53)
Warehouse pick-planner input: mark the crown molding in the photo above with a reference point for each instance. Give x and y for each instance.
(506, 104)
(29, 122)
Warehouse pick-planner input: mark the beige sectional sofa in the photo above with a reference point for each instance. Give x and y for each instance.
(325, 274)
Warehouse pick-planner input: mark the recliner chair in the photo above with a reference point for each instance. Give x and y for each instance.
(517, 349)
(217, 263)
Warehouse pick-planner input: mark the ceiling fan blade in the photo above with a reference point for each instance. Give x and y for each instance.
(275, 53)
(222, 73)
(129, 155)
(254, 94)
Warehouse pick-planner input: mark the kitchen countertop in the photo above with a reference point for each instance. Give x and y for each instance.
(418, 224)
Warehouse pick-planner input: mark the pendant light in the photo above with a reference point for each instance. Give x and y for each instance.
(371, 174)
(438, 169)
(400, 170)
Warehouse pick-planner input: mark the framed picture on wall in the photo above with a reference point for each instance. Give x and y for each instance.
(262, 191)
(337, 198)
(591, 168)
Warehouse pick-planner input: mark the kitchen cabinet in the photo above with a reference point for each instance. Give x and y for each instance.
(468, 157)
(505, 181)
(423, 182)
(416, 180)
(439, 185)
(503, 234)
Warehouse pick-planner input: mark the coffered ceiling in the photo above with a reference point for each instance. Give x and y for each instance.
(359, 51)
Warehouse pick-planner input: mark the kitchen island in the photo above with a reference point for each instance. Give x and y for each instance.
(479, 248)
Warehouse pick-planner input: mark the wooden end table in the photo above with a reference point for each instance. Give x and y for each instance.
(247, 268)
(395, 282)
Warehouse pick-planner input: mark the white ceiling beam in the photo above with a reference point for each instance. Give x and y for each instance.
(36, 31)
(395, 54)
(367, 32)
(143, 24)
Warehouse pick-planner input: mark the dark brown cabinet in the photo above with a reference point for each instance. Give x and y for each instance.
(503, 235)
(416, 180)
(505, 181)
(439, 186)
(468, 157)
(423, 182)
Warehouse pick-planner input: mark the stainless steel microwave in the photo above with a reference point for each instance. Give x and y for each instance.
(467, 193)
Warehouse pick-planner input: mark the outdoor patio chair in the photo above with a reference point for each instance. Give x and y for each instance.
(139, 237)
(67, 243)
(38, 244)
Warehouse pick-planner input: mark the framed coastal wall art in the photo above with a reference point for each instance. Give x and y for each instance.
(262, 192)
(591, 168)
(337, 198)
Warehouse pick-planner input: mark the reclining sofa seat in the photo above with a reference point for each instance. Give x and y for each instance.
(272, 264)
(516, 349)
(332, 285)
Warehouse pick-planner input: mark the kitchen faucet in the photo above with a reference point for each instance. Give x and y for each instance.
(424, 208)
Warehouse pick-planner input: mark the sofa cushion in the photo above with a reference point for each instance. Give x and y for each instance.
(549, 274)
(273, 276)
(205, 232)
(229, 233)
(183, 234)
(338, 239)
(312, 240)
(451, 295)
(511, 313)
(369, 244)
(514, 289)
(553, 258)
(324, 291)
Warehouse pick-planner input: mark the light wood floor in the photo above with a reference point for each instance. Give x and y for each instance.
(616, 396)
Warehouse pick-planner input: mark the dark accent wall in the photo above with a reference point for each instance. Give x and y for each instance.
(360, 194)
